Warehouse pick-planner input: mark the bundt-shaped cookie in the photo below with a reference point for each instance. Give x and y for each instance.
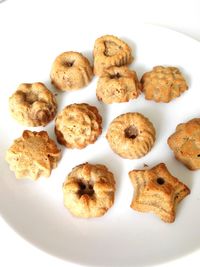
(131, 135)
(163, 84)
(110, 51)
(33, 105)
(118, 84)
(89, 190)
(71, 71)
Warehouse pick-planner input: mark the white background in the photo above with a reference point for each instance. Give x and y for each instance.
(183, 16)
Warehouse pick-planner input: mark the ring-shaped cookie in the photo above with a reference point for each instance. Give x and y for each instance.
(131, 135)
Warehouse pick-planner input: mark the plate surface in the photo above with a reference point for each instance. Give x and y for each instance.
(35, 209)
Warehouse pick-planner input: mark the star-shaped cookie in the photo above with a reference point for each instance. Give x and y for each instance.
(33, 155)
(157, 191)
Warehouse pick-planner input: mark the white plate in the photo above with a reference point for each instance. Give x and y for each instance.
(35, 210)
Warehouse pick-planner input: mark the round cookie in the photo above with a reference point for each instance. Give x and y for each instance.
(33, 104)
(89, 190)
(110, 51)
(71, 71)
(163, 84)
(185, 143)
(33, 155)
(78, 125)
(131, 135)
(118, 84)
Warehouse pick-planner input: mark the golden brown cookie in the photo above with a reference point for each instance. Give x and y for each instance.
(110, 51)
(185, 143)
(131, 135)
(163, 84)
(71, 71)
(157, 191)
(33, 104)
(89, 190)
(118, 84)
(33, 155)
(78, 125)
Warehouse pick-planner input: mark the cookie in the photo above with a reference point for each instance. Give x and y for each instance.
(185, 143)
(89, 190)
(110, 51)
(78, 125)
(118, 84)
(157, 191)
(33, 104)
(131, 135)
(33, 155)
(71, 71)
(163, 84)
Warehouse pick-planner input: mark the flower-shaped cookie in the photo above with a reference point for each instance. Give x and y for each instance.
(163, 84)
(33, 155)
(157, 191)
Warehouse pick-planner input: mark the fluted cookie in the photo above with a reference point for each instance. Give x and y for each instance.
(33, 104)
(71, 71)
(185, 143)
(118, 84)
(157, 191)
(110, 51)
(131, 135)
(78, 125)
(33, 155)
(163, 84)
(89, 190)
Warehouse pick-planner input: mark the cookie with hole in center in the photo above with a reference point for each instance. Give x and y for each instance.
(117, 84)
(110, 51)
(71, 71)
(78, 125)
(185, 143)
(33, 155)
(131, 135)
(157, 191)
(162, 84)
(89, 190)
(33, 104)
